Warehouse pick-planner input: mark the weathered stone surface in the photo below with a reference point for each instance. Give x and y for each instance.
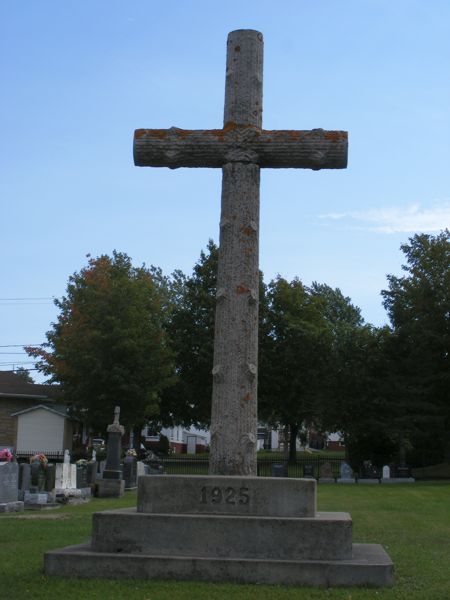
(328, 536)
(369, 566)
(256, 496)
(214, 148)
(110, 488)
(9, 482)
(241, 148)
(17, 506)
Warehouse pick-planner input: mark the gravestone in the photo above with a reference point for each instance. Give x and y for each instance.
(346, 474)
(140, 468)
(386, 473)
(81, 476)
(50, 477)
(37, 476)
(112, 484)
(9, 487)
(130, 472)
(308, 471)
(326, 473)
(279, 470)
(235, 526)
(369, 473)
(24, 479)
(65, 476)
(92, 472)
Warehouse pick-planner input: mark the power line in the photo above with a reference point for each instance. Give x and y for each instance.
(19, 345)
(43, 298)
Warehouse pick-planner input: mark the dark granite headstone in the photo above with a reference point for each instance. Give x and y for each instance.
(24, 477)
(37, 476)
(308, 471)
(279, 470)
(82, 481)
(402, 472)
(91, 472)
(9, 482)
(369, 471)
(50, 473)
(130, 472)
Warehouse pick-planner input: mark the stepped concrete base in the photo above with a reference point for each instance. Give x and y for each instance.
(369, 566)
(217, 528)
(328, 536)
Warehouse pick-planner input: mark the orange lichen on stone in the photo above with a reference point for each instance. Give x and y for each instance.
(247, 397)
(242, 289)
(158, 133)
(292, 133)
(335, 136)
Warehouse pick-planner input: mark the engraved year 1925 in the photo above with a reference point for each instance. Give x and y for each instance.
(228, 495)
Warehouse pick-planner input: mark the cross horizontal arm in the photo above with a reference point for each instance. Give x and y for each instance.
(314, 149)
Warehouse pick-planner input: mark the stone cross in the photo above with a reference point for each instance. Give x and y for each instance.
(240, 148)
(116, 415)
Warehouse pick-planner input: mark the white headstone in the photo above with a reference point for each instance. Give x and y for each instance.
(66, 457)
(65, 476)
(386, 472)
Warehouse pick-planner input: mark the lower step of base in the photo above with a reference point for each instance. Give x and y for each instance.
(370, 566)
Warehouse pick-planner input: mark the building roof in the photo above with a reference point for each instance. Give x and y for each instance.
(58, 409)
(13, 385)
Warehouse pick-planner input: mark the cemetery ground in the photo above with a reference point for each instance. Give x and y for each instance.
(412, 521)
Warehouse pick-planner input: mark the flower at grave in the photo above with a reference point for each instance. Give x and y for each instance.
(6, 455)
(39, 458)
(132, 452)
(81, 462)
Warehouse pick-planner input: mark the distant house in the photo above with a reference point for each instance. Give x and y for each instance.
(33, 417)
(41, 428)
(182, 440)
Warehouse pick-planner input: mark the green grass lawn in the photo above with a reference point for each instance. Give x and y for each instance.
(411, 521)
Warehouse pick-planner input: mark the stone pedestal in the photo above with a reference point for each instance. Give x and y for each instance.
(112, 484)
(110, 488)
(219, 528)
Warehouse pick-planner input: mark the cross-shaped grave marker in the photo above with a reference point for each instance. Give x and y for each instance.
(241, 148)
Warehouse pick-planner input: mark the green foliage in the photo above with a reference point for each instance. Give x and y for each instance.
(163, 444)
(191, 332)
(295, 347)
(24, 374)
(108, 346)
(418, 305)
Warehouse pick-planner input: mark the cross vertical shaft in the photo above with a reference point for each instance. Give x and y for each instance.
(234, 399)
(241, 148)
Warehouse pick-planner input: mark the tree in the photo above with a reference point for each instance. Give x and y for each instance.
(191, 332)
(24, 374)
(358, 401)
(294, 356)
(418, 305)
(108, 346)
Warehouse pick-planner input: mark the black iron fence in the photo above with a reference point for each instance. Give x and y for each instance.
(308, 466)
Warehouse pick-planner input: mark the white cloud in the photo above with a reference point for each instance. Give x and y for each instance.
(398, 219)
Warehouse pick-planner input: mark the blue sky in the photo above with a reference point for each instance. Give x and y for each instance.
(78, 77)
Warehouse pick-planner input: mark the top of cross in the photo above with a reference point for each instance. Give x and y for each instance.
(241, 139)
